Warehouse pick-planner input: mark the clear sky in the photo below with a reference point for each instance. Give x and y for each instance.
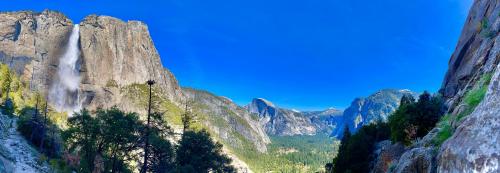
(302, 54)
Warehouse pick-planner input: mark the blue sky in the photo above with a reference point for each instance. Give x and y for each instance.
(302, 54)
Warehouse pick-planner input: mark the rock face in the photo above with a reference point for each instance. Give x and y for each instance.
(386, 156)
(31, 43)
(417, 160)
(117, 53)
(325, 121)
(474, 146)
(279, 121)
(229, 120)
(377, 106)
(476, 51)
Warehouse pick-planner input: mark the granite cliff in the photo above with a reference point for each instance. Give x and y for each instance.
(279, 121)
(115, 59)
(472, 94)
(474, 146)
(363, 111)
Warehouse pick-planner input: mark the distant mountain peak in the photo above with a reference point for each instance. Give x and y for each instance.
(366, 110)
(266, 102)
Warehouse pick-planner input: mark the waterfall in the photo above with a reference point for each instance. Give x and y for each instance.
(63, 93)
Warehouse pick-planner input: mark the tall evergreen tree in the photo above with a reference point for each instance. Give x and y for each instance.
(198, 153)
(340, 161)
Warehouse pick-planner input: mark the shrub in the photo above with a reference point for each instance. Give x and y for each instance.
(475, 96)
(413, 120)
(111, 84)
(445, 130)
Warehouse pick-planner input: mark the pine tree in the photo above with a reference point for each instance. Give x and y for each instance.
(198, 153)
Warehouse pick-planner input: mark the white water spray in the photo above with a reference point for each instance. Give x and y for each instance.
(64, 91)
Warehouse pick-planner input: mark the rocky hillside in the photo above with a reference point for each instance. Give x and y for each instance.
(279, 121)
(326, 121)
(375, 107)
(285, 122)
(16, 154)
(466, 138)
(474, 146)
(229, 121)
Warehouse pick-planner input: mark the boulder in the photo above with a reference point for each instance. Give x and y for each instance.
(417, 160)
(387, 155)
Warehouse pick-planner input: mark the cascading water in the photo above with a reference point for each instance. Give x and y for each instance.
(63, 93)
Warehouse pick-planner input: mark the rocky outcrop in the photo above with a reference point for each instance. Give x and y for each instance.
(228, 120)
(476, 52)
(417, 160)
(325, 121)
(279, 121)
(376, 107)
(386, 156)
(474, 146)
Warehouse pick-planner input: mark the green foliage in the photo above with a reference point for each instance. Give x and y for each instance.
(473, 97)
(415, 119)
(484, 24)
(60, 166)
(398, 121)
(445, 130)
(356, 151)
(484, 28)
(197, 152)
(37, 128)
(300, 153)
(310, 151)
(14, 95)
(162, 154)
(139, 94)
(476, 95)
(108, 138)
(108, 141)
(111, 84)
(5, 80)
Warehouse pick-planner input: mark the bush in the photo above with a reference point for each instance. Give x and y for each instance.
(41, 132)
(475, 96)
(197, 152)
(111, 84)
(445, 130)
(8, 107)
(413, 120)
